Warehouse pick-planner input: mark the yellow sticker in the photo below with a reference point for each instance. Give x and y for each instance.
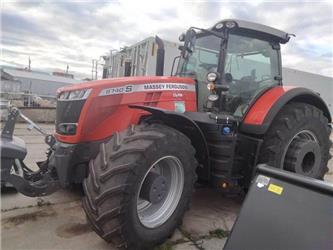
(275, 189)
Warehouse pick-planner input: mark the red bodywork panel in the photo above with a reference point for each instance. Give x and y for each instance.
(106, 110)
(102, 115)
(262, 106)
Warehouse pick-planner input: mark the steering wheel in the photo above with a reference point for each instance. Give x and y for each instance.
(207, 66)
(264, 80)
(242, 89)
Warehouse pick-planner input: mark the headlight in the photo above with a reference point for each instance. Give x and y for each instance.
(79, 94)
(219, 26)
(63, 95)
(230, 24)
(213, 97)
(67, 128)
(211, 77)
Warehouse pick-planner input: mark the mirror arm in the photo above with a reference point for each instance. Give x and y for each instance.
(173, 64)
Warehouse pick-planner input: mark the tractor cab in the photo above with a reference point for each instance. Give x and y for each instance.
(232, 63)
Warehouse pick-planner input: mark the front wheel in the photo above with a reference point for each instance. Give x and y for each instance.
(298, 141)
(140, 186)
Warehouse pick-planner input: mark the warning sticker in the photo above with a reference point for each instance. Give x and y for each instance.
(275, 189)
(180, 107)
(262, 181)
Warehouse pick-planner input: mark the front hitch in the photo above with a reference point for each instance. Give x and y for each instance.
(31, 183)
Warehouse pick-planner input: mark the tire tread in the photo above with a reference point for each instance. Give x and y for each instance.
(285, 121)
(106, 187)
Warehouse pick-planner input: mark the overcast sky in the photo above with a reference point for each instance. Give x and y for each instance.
(57, 33)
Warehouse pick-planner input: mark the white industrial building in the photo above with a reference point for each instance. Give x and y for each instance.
(323, 85)
(38, 83)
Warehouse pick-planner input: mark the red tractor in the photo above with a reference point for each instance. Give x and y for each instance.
(138, 144)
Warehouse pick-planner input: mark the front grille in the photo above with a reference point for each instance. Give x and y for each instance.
(68, 112)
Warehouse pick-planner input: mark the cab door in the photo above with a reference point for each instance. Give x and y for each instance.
(251, 67)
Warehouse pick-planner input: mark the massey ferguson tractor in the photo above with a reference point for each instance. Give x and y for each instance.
(138, 144)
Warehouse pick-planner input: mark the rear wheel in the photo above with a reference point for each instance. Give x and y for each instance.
(298, 141)
(140, 186)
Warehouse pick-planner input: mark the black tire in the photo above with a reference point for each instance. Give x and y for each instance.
(115, 176)
(277, 150)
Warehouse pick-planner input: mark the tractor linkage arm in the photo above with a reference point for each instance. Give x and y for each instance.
(31, 183)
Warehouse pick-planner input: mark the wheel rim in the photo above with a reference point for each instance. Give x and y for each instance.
(308, 162)
(153, 215)
(305, 135)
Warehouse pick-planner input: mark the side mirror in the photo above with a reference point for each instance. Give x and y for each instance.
(173, 64)
(189, 39)
(181, 37)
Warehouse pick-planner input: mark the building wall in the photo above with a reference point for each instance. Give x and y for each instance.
(318, 83)
(40, 87)
(39, 83)
(40, 115)
(10, 86)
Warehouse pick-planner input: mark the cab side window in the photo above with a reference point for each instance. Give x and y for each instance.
(251, 65)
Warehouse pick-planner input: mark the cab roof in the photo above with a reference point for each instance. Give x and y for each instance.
(257, 30)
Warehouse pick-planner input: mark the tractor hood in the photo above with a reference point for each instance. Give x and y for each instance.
(94, 110)
(124, 81)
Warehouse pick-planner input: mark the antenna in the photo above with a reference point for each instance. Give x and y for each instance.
(29, 67)
(96, 64)
(92, 69)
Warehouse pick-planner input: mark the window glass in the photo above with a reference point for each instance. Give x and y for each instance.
(251, 65)
(203, 59)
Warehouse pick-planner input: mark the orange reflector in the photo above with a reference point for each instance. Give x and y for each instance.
(210, 86)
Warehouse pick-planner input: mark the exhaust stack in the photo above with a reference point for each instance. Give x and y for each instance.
(160, 57)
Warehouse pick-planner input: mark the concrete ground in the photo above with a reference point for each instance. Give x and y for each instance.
(58, 221)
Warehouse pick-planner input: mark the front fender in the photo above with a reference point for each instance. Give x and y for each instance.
(262, 113)
(188, 127)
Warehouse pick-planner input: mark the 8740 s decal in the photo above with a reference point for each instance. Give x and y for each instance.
(147, 87)
(117, 90)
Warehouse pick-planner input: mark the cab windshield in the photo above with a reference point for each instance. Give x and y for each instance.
(202, 58)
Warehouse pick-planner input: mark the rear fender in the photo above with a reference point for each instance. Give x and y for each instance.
(188, 127)
(263, 111)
